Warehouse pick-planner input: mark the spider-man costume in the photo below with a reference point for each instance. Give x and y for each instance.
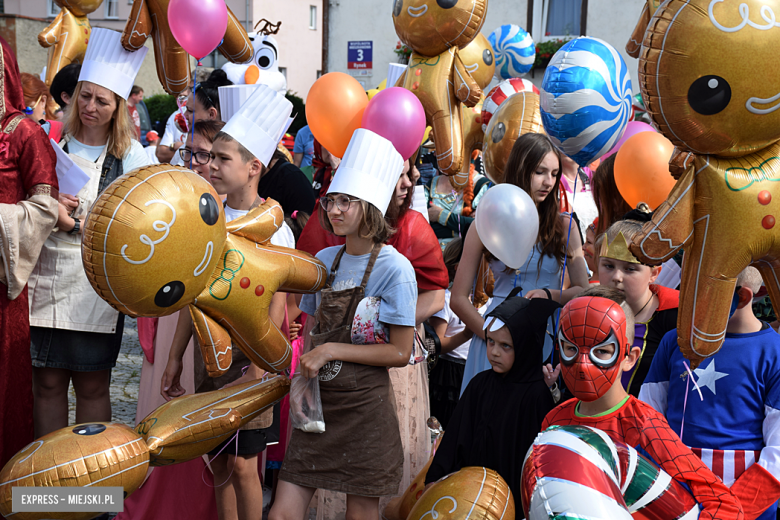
(591, 323)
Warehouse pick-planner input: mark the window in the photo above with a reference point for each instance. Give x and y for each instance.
(52, 9)
(319, 74)
(2, 6)
(550, 19)
(214, 60)
(313, 17)
(112, 8)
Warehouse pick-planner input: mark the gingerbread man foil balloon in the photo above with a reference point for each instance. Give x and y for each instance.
(436, 30)
(634, 45)
(156, 241)
(67, 36)
(701, 76)
(150, 18)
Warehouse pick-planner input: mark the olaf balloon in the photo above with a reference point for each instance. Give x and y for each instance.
(264, 66)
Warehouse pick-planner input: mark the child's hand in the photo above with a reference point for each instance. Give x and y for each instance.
(295, 328)
(313, 360)
(550, 375)
(536, 293)
(170, 385)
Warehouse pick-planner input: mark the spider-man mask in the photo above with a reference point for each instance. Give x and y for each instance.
(590, 328)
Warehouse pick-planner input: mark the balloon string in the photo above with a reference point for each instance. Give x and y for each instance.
(203, 473)
(192, 126)
(685, 400)
(234, 437)
(565, 257)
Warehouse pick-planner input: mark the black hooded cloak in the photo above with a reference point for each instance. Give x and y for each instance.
(499, 416)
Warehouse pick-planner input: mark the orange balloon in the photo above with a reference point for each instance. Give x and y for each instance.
(642, 169)
(334, 110)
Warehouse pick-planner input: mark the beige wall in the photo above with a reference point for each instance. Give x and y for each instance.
(32, 57)
(610, 20)
(300, 48)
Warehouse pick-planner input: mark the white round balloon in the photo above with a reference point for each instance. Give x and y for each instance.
(508, 224)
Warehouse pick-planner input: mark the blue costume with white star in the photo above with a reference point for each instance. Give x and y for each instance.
(737, 423)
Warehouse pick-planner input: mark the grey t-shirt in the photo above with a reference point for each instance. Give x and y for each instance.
(392, 280)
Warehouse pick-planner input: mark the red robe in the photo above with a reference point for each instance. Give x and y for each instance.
(640, 426)
(26, 160)
(414, 238)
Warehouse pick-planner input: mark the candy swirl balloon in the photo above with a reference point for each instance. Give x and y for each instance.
(586, 98)
(514, 49)
(500, 93)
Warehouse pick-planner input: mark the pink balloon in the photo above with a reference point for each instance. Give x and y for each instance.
(397, 115)
(198, 25)
(632, 128)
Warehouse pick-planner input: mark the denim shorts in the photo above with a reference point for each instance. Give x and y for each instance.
(75, 349)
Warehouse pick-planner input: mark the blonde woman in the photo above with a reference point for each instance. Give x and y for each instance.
(75, 335)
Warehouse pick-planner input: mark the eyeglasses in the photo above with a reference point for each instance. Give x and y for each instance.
(202, 158)
(199, 86)
(342, 202)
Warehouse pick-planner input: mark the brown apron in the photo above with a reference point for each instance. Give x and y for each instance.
(360, 452)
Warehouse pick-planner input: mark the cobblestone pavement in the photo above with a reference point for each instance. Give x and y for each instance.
(125, 378)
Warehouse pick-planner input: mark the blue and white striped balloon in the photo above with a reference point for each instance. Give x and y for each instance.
(514, 50)
(586, 98)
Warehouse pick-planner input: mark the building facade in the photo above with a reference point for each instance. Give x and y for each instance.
(371, 21)
(300, 36)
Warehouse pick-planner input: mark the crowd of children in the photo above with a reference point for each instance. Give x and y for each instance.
(581, 333)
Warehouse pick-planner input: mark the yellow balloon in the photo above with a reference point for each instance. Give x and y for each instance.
(478, 58)
(373, 92)
(472, 492)
(190, 426)
(436, 73)
(519, 114)
(97, 454)
(382, 84)
(426, 135)
(156, 241)
(67, 36)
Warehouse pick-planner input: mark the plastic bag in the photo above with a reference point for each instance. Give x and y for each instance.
(305, 402)
(305, 405)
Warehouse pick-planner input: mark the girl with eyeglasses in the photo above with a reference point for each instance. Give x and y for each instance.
(363, 323)
(196, 154)
(414, 239)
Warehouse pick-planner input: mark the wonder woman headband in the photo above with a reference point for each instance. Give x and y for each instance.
(618, 249)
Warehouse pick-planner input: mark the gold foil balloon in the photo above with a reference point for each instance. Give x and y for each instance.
(150, 18)
(701, 91)
(472, 493)
(519, 114)
(190, 426)
(156, 241)
(400, 507)
(430, 27)
(435, 30)
(473, 135)
(479, 61)
(67, 36)
(634, 45)
(98, 454)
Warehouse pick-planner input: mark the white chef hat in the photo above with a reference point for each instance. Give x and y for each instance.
(369, 169)
(108, 64)
(261, 122)
(231, 97)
